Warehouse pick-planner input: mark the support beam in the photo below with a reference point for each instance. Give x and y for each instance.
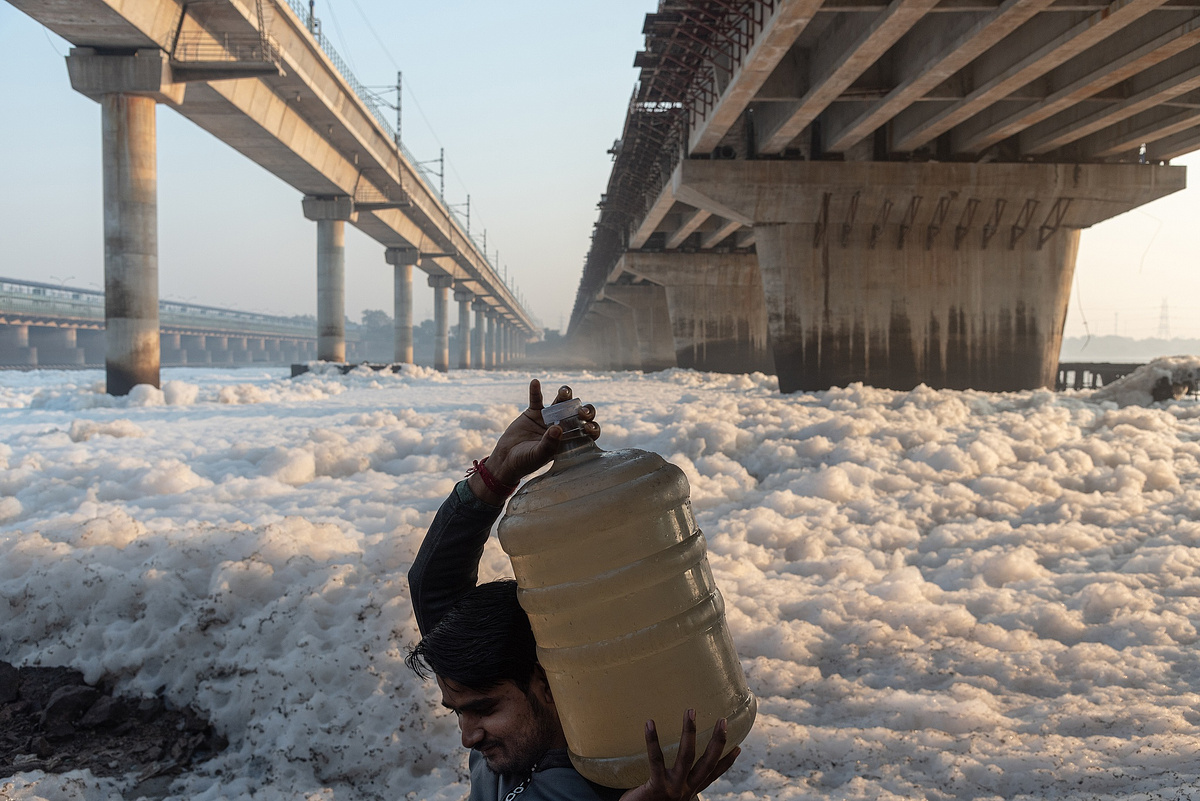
(1044, 46)
(692, 220)
(479, 361)
(715, 303)
(331, 215)
(651, 322)
(719, 234)
(961, 42)
(771, 44)
(441, 321)
(128, 87)
(965, 285)
(463, 297)
(842, 56)
(1143, 93)
(402, 261)
(1140, 46)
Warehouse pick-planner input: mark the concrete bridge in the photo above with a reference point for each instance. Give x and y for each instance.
(50, 325)
(851, 190)
(258, 75)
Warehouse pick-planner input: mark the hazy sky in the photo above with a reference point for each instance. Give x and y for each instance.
(525, 97)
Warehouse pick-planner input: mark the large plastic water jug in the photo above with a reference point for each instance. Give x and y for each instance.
(614, 576)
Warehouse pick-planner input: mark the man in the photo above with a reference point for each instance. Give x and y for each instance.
(477, 642)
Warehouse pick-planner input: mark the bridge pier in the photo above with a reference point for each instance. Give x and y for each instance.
(56, 346)
(441, 321)
(15, 347)
(128, 87)
(715, 302)
(463, 296)
(170, 348)
(331, 215)
(477, 336)
(402, 261)
(619, 344)
(651, 322)
(896, 274)
(489, 340)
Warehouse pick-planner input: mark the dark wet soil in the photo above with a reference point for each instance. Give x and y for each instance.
(51, 720)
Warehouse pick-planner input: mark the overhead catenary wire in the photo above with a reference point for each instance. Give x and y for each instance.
(446, 163)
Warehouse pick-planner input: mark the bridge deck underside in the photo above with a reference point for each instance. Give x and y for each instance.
(970, 82)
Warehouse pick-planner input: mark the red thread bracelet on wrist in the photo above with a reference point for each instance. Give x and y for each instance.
(489, 480)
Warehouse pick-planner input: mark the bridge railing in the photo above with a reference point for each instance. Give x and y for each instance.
(36, 299)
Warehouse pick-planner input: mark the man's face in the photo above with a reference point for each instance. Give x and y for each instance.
(511, 729)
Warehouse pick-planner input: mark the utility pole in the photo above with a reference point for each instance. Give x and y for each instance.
(399, 105)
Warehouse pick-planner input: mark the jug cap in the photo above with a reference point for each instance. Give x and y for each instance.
(561, 411)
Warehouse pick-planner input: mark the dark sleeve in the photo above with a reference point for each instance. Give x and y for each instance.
(447, 565)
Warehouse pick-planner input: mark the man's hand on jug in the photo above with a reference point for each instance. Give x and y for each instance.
(684, 779)
(528, 444)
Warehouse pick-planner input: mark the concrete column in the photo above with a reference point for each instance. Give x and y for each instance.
(622, 351)
(128, 87)
(716, 307)
(92, 341)
(441, 321)
(600, 340)
(477, 336)
(489, 341)
(402, 260)
(897, 274)
(195, 347)
(171, 349)
(14, 346)
(501, 333)
(130, 242)
(464, 297)
(331, 215)
(651, 322)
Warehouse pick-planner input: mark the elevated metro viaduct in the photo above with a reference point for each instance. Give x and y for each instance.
(848, 190)
(259, 75)
(52, 325)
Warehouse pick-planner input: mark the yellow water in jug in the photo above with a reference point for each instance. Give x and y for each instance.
(614, 576)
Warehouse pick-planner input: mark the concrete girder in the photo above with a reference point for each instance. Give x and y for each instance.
(935, 62)
(771, 44)
(146, 23)
(1045, 46)
(658, 210)
(1143, 92)
(1174, 146)
(1145, 129)
(1141, 45)
(692, 220)
(843, 55)
(719, 234)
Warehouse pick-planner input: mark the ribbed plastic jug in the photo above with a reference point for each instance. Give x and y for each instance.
(614, 576)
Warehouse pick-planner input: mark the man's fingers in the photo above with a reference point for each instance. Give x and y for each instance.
(592, 430)
(687, 744)
(588, 412)
(711, 756)
(564, 394)
(654, 754)
(535, 395)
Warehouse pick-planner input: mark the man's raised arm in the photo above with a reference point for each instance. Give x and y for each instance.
(447, 565)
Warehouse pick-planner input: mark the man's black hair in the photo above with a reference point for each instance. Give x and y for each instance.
(483, 640)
